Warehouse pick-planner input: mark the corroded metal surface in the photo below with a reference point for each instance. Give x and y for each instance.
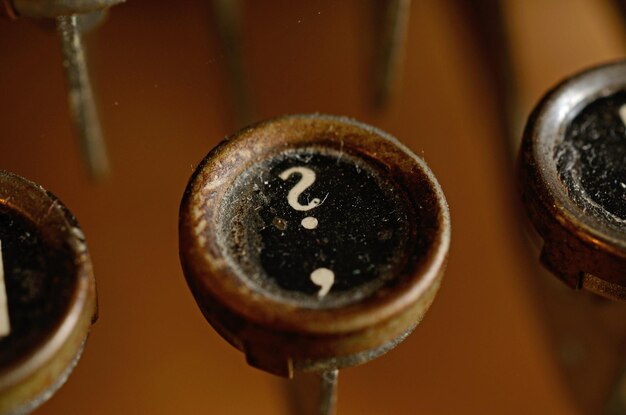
(48, 332)
(581, 246)
(277, 334)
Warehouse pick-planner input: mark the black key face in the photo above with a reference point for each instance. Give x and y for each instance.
(317, 226)
(38, 284)
(591, 160)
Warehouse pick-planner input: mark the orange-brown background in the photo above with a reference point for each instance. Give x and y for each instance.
(163, 94)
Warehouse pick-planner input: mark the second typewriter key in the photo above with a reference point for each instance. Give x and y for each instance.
(573, 179)
(47, 294)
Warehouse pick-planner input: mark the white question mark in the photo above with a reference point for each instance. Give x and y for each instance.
(307, 179)
(322, 277)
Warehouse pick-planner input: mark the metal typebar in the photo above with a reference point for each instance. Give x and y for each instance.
(80, 95)
(314, 393)
(392, 49)
(228, 23)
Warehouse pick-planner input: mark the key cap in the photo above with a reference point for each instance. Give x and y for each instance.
(573, 179)
(47, 294)
(313, 242)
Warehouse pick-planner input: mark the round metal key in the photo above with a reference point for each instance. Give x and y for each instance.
(313, 242)
(573, 179)
(47, 294)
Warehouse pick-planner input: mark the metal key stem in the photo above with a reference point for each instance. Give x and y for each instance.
(228, 23)
(328, 392)
(392, 49)
(80, 95)
(314, 393)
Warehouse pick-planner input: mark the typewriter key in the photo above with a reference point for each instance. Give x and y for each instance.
(313, 242)
(573, 179)
(47, 294)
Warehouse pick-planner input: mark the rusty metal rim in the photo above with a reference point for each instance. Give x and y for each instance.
(83, 297)
(550, 118)
(243, 300)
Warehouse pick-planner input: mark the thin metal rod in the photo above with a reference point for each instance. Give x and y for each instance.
(617, 398)
(7, 9)
(80, 95)
(228, 24)
(392, 49)
(621, 8)
(314, 393)
(488, 25)
(328, 393)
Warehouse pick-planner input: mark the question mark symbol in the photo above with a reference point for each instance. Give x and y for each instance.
(322, 277)
(307, 179)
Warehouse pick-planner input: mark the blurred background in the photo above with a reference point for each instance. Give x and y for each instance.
(161, 78)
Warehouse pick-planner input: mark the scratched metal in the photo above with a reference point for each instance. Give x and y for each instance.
(50, 290)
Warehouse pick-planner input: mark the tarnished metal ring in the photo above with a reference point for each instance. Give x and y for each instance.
(580, 247)
(276, 335)
(30, 371)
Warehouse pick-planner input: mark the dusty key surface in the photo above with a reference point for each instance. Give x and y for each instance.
(573, 179)
(313, 242)
(47, 294)
(326, 229)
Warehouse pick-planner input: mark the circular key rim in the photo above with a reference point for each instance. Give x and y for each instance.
(208, 273)
(545, 129)
(30, 379)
